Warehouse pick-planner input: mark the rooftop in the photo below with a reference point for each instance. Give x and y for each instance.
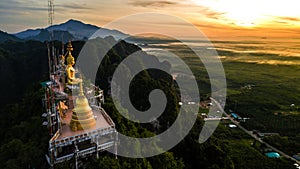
(272, 155)
(66, 131)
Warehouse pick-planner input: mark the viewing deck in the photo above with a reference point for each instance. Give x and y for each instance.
(101, 123)
(104, 125)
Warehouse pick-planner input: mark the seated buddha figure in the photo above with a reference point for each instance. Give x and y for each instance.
(62, 61)
(72, 80)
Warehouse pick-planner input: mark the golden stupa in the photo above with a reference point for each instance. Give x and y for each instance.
(82, 115)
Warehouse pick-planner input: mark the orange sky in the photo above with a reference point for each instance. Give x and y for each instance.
(216, 18)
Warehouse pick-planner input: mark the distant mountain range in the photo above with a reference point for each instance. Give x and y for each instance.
(70, 30)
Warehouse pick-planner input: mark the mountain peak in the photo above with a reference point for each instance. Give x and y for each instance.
(73, 25)
(73, 20)
(76, 28)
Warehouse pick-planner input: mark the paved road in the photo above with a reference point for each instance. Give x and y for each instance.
(251, 134)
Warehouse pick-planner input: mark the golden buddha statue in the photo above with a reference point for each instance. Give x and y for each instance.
(82, 117)
(70, 70)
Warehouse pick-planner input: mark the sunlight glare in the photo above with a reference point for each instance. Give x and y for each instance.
(249, 13)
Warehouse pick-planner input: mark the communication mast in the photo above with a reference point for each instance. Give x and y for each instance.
(50, 16)
(51, 50)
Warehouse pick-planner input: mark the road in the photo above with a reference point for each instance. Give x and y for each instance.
(251, 134)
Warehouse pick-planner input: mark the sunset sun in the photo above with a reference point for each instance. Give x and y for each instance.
(244, 19)
(252, 13)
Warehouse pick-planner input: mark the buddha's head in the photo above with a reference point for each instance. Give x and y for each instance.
(70, 59)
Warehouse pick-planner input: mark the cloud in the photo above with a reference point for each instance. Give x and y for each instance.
(209, 13)
(18, 5)
(283, 22)
(34, 5)
(152, 3)
(282, 18)
(74, 6)
(218, 27)
(34, 8)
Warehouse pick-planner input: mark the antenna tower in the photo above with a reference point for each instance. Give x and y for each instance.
(51, 49)
(50, 16)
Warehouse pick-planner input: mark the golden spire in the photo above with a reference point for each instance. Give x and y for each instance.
(70, 58)
(81, 88)
(69, 47)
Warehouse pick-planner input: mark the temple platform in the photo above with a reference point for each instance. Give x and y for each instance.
(67, 144)
(101, 123)
(65, 135)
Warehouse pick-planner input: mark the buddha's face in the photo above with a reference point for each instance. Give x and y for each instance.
(71, 61)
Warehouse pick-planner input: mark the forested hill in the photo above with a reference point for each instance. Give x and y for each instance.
(7, 37)
(23, 64)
